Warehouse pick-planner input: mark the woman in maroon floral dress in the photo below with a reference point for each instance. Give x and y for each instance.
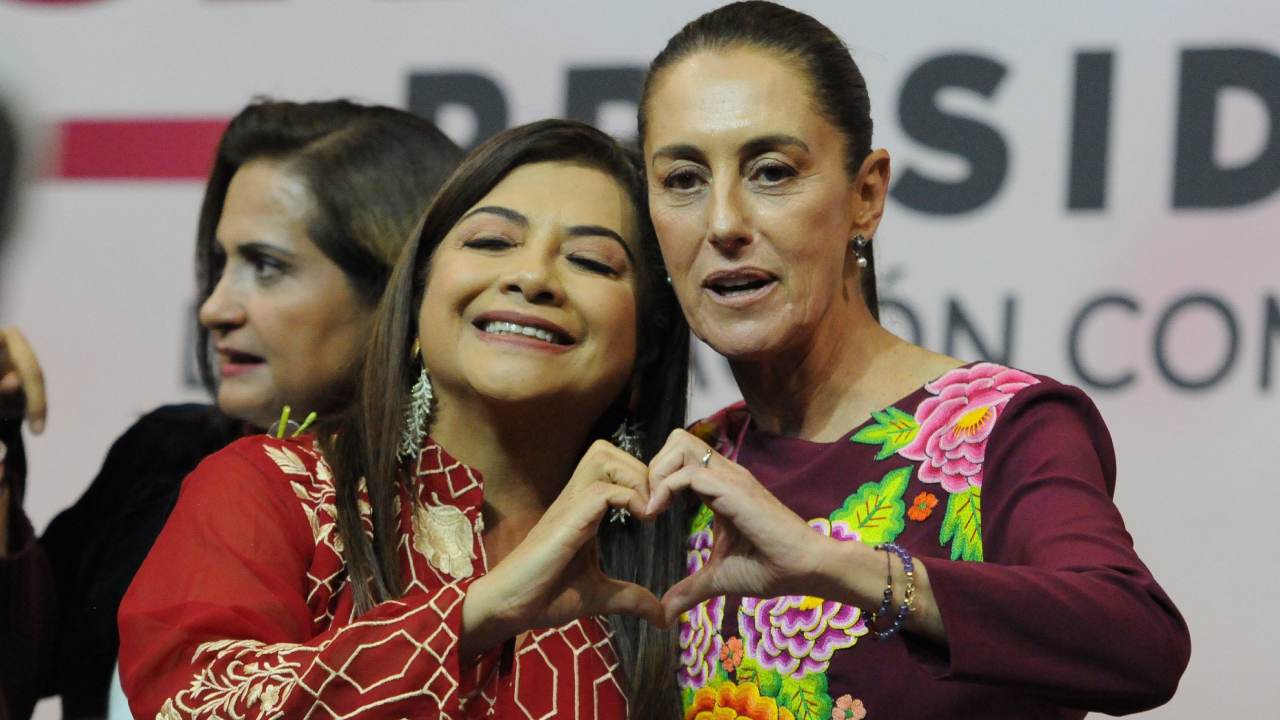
(858, 457)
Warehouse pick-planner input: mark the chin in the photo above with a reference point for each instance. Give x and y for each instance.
(746, 341)
(250, 410)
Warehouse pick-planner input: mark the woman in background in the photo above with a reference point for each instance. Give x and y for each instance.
(886, 532)
(304, 213)
(452, 561)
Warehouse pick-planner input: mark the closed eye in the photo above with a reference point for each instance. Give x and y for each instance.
(594, 266)
(488, 243)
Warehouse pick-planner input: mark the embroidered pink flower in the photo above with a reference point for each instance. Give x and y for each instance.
(848, 708)
(955, 424)
(798, 634)
(700, 641)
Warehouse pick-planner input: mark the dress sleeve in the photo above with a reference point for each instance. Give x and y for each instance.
(1062, 607)
(217, 623)
(27, 600)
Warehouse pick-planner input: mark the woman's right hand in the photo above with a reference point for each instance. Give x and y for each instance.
(21, 381)
(553, 576)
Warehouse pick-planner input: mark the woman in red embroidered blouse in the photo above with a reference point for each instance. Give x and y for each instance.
(995, 484)
(420, 581)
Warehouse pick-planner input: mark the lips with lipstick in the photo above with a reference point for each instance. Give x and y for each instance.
(740, 285)
(523, 330)
(235, 362)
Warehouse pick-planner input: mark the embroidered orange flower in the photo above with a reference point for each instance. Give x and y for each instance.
(730, 701)
(731, 654)
(922, 507)
(848, 708)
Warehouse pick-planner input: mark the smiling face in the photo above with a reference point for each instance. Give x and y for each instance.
(751, 201)
(531, 297)
(283, 317)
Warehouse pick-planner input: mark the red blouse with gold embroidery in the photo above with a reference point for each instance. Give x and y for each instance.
(243, 608)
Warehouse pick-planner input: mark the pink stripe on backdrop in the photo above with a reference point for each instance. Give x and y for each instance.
(137, 148)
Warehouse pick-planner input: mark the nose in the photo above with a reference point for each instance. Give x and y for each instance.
(727, 229)
(533, 276)
(221, 311)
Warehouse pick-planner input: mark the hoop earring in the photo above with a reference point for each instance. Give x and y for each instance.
(417, 417)
(859, 244)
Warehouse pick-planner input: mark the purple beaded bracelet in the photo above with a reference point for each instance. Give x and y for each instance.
(908, 595)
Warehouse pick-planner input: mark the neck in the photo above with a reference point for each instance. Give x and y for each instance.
(818, 388)
(524, 466)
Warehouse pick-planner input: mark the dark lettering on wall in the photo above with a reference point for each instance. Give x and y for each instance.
(977, 143)
(1090, 132)
(590, 88)
(1162, 329)
(1199, 182)
(958, 322)
(429, 92)
(1270, 334)
(1086, 375)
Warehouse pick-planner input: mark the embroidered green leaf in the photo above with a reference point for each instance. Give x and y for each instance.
(766, 679)
(686, 697)
(701, 520)
(806, 698)
(893, 431)
(876, 511)
(962, 527)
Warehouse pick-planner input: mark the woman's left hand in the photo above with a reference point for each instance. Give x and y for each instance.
(760, 549)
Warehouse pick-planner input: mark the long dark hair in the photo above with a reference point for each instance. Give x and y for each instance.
(835, 82)
(370, 171)
(650, 554)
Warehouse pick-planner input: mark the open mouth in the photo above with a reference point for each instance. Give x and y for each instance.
(531, 328)
(235, 357)
(738, 283)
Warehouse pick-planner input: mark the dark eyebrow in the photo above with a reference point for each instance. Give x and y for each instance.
(501, 212)
(257, 249)
(600, 231)
(679, 151)
(755, 146)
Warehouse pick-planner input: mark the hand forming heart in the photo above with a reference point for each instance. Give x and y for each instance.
(554, 575)
(761, 548)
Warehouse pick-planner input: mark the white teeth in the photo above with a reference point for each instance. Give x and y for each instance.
(499, 327)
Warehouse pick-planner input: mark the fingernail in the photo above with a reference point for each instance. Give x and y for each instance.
(37, 426)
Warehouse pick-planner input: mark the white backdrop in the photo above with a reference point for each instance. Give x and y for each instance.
(991, 243)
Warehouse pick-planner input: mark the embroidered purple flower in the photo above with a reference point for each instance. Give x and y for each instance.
(700, 641)
(951, 444)
(798, 634)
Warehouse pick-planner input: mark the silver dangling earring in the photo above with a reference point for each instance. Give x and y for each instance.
(860, 243)
(629, 439)
(417, 417)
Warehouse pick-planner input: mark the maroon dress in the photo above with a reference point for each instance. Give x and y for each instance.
(1000, 482)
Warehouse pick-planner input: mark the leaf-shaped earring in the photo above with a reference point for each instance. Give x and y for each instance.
(417, 417)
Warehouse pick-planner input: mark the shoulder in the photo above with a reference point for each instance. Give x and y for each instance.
(176, 435)
(977, 416)
(721, 427)
(275, 463)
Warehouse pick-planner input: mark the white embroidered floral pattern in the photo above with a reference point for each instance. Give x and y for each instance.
(443, 534)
